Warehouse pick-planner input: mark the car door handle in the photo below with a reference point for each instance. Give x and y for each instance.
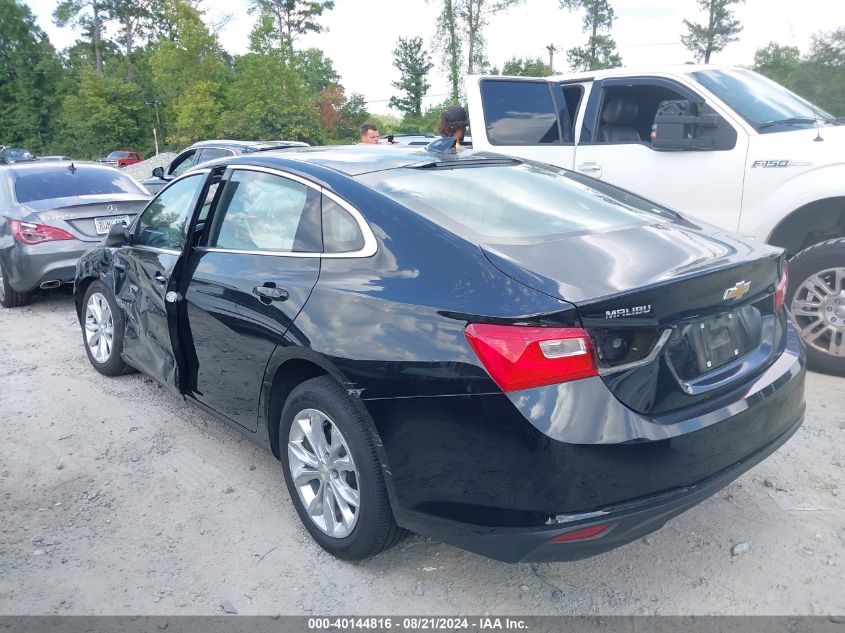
(270, 293)
(160, 278)
(589, 166)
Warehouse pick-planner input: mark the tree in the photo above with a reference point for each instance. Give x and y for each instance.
(821, 75)
(30, 77)
(476, 15)
(526, 67)
(777, 62)
(600, 50)
(413, 62)
(448, 41)
(285, 20)
(720, 30)
(74, 13)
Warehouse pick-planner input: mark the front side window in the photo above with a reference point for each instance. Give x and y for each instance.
(164, 222)
(182, 163)
(265, 212)
(519, 113)
(764, 104)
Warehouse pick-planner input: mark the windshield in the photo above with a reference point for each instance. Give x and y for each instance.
(512, 202)
(62, 182)
(766, 105)
(18, 154)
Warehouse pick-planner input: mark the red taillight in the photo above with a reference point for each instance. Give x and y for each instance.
(780, 291)
(582, 534)
(519, 357)
(30, 233)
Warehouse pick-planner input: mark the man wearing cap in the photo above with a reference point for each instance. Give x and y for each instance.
(453, 122)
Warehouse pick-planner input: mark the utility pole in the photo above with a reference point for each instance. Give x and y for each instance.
(552, 50)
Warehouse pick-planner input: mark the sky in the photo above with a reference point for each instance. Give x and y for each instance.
(362, 34)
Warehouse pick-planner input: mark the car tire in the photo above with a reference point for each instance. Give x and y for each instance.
(818, 309)
(102, 330)
(359, 532)
(9, 298)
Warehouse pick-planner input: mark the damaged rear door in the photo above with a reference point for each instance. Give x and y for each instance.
(145, 278)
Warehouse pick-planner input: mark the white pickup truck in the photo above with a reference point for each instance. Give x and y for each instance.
(725, 146)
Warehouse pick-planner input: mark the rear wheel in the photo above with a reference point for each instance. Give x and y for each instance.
(816, 298)
(102, 330)
(8, 297)
(333, 472)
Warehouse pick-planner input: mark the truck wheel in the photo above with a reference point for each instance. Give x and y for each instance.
(8, 297)
(816, 298)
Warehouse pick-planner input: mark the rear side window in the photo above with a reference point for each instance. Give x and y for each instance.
(519, 113)
(65, 182)
(512, 203)
(264, 212)
(341, 233)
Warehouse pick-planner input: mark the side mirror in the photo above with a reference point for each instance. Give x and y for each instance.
(677, 127)
(119, 235)
(158, 172)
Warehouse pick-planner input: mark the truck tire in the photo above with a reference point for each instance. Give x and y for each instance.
(816, 298)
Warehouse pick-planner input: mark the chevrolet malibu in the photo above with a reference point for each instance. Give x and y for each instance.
(512, 358)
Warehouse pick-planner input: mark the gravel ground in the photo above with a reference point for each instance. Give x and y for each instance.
(144, 169)
(118, 498)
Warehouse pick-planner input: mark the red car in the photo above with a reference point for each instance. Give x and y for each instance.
(121, 158)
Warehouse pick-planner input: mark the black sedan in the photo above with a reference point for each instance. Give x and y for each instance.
(509, 357)
(50, 213)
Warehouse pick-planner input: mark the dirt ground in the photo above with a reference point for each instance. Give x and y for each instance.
(118, 498)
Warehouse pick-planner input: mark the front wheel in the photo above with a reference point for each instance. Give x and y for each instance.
(333, 473)
(816, 298)
(102, 330)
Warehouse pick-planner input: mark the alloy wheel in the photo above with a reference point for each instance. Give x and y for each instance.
(819, 309)
(99, 327)
(324, 473)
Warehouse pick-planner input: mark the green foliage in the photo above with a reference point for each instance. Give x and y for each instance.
(448, 42)
(280, 22)
(30, 73)
(526, 67)
(721, 29)
(105, 113)
(600, 49)
(413, 62)
(818, 77)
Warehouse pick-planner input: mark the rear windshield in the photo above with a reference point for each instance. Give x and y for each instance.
(63, 182)
(119, 155)
(513, 201)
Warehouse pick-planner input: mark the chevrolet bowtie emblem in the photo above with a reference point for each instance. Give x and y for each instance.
(737, 291)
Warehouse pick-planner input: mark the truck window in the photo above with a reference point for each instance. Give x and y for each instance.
(519, 112)
(572, 94)
(627, 112)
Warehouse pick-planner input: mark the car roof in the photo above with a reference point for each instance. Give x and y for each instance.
(623, 71)
(254, 145)
(354, 160)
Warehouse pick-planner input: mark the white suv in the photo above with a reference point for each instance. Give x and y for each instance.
(725, 146)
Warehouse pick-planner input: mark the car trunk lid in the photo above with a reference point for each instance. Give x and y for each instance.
(87, 217)
(675, 313)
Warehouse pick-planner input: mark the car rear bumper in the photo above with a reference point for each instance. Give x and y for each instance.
(29, 266)
(502, 475)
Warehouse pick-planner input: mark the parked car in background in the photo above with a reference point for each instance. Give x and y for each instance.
(12, 155)
(204, 151)
(49, 214)
(725, 145)
(121, 158)
(512, 358)
(54, 158)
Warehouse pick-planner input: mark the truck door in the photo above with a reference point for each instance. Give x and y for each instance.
(616, 146)
(529, 118)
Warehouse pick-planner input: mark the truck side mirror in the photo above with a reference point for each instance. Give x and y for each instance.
(677, 127)
(118, 235)
(158, 172)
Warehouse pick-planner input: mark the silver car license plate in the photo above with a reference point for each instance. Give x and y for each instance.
(102, 225)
